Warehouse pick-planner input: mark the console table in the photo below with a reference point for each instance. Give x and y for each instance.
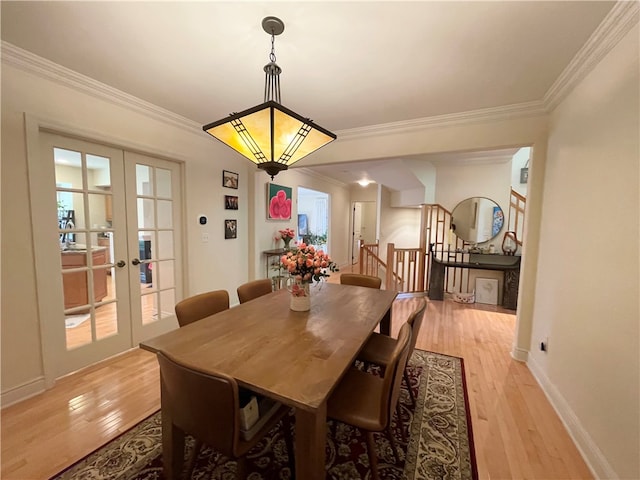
(509, 264)
(269, 254)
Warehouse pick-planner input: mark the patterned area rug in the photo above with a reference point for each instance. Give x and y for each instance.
(440, 445)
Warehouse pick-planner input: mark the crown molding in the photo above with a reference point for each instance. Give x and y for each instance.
(31, 63)
(622, 17)
(312, 173)
(519, 110)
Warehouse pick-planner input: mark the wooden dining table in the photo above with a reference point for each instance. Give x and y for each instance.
(296, 358)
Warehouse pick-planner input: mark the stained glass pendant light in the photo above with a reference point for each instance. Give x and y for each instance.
(270, 135)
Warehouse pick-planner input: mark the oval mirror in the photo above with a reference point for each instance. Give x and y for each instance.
(477, 219)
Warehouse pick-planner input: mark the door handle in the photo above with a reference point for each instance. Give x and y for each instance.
(121, 264)
(135, 261)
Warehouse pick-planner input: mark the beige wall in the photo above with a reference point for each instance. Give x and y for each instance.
(454, 183)
(587, 293)
(364, 194)
(400, 226)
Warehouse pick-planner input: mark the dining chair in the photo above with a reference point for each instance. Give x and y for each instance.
(368, 401)
(360, 280)
(200, 306)
(206, 406)
(379, 348)
(256, 288)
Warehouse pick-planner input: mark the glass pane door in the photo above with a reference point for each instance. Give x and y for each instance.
(157, 219)
(86, 299)
(85, 230)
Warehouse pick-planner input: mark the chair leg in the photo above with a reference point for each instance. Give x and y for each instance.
(191, 462)
(406, 379)
(400, 425)
(241, 469)
(373, 457)
(394, 446)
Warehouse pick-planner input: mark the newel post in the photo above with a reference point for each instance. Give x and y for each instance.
(389, 282)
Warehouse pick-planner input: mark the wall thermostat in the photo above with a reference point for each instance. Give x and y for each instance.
(202, 219)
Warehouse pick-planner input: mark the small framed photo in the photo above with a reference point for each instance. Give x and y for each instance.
(229, 179)
(524, 175)
(230, 202)
(230, 229)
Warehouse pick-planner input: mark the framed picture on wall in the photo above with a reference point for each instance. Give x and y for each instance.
(230, 202)
(230, 229)
(303, 224)
(278, 202)
(229, 179)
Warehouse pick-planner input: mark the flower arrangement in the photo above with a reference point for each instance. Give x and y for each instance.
(286, 233)
(306, 264)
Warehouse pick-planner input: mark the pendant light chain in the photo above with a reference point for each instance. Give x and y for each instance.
(272, 55)
(272, 75)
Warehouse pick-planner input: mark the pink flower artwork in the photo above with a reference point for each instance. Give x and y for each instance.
(279, 202)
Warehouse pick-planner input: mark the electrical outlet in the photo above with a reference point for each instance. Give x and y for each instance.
(544, 345)
(205, 237)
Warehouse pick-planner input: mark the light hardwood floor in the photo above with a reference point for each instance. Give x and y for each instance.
(516, 432)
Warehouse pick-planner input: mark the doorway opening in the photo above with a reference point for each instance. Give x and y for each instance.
(313, 218)
(363, 222)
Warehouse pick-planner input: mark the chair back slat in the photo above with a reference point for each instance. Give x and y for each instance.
(203, 405)
(256, 288)
(200, 306)
(360, 280)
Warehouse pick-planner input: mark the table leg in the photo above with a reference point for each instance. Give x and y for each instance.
(385, 324)
(172, 448)
(311, 435)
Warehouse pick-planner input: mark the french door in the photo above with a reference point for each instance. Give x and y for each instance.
(110, 268)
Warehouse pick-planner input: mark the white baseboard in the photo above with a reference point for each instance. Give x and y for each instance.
(22, 392)
(590, 452)
(520, 354)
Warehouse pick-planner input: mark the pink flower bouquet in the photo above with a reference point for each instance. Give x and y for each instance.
(306, 264)
(287, 233)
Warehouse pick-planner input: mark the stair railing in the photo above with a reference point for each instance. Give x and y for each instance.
(406, 269)
(517, 206)
(369, 262)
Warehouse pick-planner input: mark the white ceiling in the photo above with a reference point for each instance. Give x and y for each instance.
(345, 64)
